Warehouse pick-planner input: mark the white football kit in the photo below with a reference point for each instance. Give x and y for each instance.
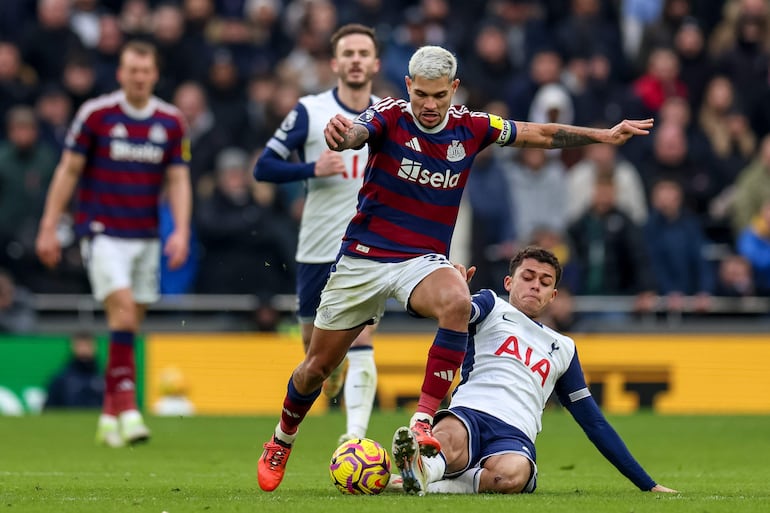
(512, 365)
(331, 201)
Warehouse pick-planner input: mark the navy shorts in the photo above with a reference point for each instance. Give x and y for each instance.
(311, 280)
(490, 436)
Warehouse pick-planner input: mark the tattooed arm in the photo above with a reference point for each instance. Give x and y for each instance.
(342, 134)
(554, 135)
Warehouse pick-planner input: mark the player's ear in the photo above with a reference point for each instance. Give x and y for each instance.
(408, 82)
(507, 282)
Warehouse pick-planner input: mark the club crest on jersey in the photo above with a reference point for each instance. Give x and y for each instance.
(119, 131)
(455, 152)
(157, 134)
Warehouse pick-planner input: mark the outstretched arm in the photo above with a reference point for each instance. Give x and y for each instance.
(555, 135)
(573, 393)
(342, 133)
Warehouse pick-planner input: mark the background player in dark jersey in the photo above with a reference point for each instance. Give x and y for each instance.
(396, 245)
(512, 366)
(121, 151)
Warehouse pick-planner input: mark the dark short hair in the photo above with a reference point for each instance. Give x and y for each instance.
(539, 254)
(353, 28)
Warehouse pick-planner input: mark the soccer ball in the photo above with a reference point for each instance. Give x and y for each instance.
(360, 467)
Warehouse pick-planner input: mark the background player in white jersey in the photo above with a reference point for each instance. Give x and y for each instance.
(396, 245)
(512, 365)
(333, 180)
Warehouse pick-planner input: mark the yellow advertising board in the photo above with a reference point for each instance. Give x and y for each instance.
(247, 373)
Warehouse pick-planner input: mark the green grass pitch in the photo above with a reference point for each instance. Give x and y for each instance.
(49, 463)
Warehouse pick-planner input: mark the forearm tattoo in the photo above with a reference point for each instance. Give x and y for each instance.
(355, 137)
(564, 139)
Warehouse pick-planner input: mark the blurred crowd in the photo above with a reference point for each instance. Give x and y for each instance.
(683, 213)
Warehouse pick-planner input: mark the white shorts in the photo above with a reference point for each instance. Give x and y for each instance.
(358, 288)
(115, 263)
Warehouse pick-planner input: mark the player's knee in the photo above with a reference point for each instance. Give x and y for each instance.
(457, 305)
(315, 370)
(508, 483)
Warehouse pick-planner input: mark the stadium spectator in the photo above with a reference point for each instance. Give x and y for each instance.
(598, 94)
(106, 54)
(677, 111)
(493, 231)
(752, 187)
(671, 158)
(181, 61)
(79, 79)
(488, 433)
(677, 249)
(735, 277)
(743, 54)
(603, 160)
(405, 39)
(488, 63)
(660, 81)
(226, 94)
(538, 191)
(585, 28)
(46, 43)
(84, 21)
(53, 108)
(696, 65)
(545, 68)
(17, 81)
(115, 141)
(80, 383)
(332, 180)
(247, 246)
(754, 245)
(27, 167)
(396, 244)
(136, 19)
(525, 29)
(611, 252)
(727, 128)
(662, 32)
(206, 140)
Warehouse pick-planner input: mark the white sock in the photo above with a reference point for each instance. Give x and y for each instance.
(360, 389)
(467, 482)
(283, 436)
(433, 468)
(420, 416)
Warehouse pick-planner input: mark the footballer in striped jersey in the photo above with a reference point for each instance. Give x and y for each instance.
(332, 182)
(396, 245)
(121, 151)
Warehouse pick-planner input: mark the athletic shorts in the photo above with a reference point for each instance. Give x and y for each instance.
(115, 263)
(490, 436)
(311, 279)
(358, 288)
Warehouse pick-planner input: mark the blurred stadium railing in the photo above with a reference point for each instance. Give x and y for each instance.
(226, 312)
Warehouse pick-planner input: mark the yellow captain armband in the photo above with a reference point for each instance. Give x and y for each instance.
(504, 126)
(186, 154)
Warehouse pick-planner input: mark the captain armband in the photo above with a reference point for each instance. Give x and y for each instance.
(505, 128)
